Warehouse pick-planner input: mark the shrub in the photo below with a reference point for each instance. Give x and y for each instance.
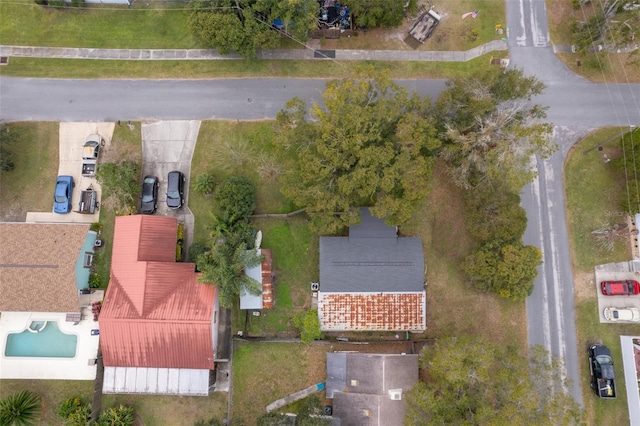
(75, 412)
(21, 409)
(58, 4)
(308, 324)
(77, 3)
(96, 227)
(94, 280)
(204, 184)
(195, 250)
(236, 198)
(42, 2)
(118, 416)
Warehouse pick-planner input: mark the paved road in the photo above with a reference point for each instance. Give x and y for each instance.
(112, 100)
(576, 107)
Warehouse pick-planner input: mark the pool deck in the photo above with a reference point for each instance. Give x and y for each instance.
(77, 368)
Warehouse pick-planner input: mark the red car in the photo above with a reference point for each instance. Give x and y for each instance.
(620, 288)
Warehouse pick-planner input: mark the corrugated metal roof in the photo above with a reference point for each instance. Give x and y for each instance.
(267, 277)
(372, 311)
(37, 266)
(155, 312)
(263, 274)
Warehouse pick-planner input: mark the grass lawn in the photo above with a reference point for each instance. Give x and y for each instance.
(53, 393)
(265, 372)
(84, 68)
(594, 193)
(155, 410)
(600, 67)
(95, 26)
(454, 308)
(29, 186)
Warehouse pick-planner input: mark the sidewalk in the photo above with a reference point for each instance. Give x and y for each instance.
(209, 54)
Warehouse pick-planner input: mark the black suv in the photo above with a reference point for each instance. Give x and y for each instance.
(175, 189)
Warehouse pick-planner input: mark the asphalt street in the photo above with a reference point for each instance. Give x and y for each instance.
(112, 100)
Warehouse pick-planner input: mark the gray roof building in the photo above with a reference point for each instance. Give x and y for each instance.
(372, 279)
(369, 389)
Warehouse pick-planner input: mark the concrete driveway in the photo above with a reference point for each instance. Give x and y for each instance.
(72, 137)
(616, 272)
(168, 146)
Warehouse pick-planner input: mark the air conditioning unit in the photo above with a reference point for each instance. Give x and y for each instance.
(315, 286)
(395, 394)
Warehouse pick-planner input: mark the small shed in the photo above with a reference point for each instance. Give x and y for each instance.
(263, 274)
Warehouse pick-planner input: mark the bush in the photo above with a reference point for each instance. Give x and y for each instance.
(309, 325)
(94, 280)
(119, 416)
(96, 227)
(58, 4)
(75, 412)
(22, 408)
(236, 199)
(42, 2)
(8, 137)
(195, 250)
(77, 3)
(204, 184)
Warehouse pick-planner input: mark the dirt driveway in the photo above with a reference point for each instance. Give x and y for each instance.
(168, 146)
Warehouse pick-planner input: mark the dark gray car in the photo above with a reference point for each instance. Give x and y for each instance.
(175, 189)
(149, 201)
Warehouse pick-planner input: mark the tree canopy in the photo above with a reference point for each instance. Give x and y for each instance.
(479, 383)
(231, 25)
(490, 130)
(494, 215)
(505, 269)
(370, 144)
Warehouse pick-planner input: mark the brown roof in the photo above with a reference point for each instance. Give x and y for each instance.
(267, 280)
(37, 266)
(372, 311)
(155, 312)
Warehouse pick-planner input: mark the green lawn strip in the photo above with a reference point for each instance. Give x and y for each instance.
(157, 410)
(29, 186)
(126, 143)
(594, 193)
(590, 330)
(265, 372)
(95, 26)
(203, 69)
(52, 392)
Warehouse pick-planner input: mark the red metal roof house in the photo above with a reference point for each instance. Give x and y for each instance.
(158, 324)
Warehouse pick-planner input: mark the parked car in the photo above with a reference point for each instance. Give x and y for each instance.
(62, 194)
(601, 369)
(149, 202)
(622, 314)
(620, 288)
(175, 189)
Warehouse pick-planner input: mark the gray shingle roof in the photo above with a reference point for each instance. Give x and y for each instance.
(371, 259)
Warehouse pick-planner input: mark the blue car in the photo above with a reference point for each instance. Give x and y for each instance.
(62, 194)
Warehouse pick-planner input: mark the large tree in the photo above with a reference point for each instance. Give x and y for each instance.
(231, 25)
(370, 143)
(491, 130)
(505, 269)
(480, 383)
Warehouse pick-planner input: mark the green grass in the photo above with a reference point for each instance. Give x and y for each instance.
(53, 393)
(594, 192)
(590, 330)
(295, 261)
(29, 187)
(156, 410)
(265, 372)
(86, 68)
(110, 26)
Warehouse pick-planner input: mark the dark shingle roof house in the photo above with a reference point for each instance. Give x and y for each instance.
(158, 324)
(369, 389)
(372, 280)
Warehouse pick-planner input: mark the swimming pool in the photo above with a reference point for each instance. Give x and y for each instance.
(42, 339)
